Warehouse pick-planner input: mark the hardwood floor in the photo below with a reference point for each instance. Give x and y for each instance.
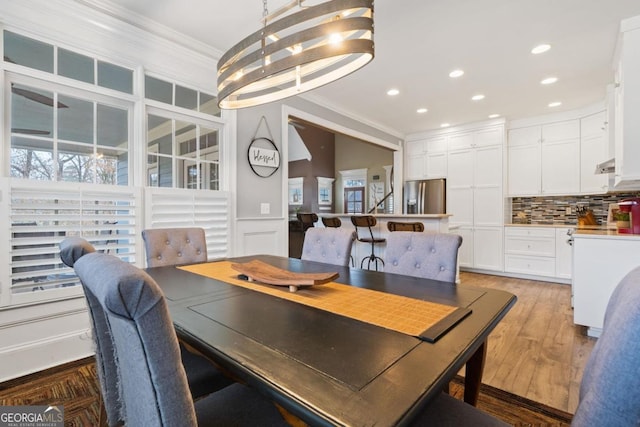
(536, 351)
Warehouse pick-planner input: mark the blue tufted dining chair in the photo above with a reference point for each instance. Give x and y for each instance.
(141, 369)
(203, 377)
(174, 246)
(328, 245)
(610, 388)
(426, 255)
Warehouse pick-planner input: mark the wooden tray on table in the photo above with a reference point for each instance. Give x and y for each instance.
(262, 272)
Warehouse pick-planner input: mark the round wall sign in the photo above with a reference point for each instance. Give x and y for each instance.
(263, 156)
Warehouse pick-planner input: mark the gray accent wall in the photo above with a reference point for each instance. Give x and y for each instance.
(253, 190)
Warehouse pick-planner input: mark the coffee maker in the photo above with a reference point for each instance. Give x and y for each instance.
(633, 207)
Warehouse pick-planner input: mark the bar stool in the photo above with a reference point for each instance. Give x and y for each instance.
(307, 220)
(368, 221)
(334, 222)
(405, 226)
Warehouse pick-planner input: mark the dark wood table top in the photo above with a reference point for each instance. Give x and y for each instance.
(324, 368)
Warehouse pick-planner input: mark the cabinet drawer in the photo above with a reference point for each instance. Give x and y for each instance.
(530, 232)
(531, 245)
(540, 266)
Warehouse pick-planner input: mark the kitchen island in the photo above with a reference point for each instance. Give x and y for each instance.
(601, 258)
(435, 223)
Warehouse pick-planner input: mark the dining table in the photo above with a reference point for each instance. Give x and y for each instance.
(353, 363)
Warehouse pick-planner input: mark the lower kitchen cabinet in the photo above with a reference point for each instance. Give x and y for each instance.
(600, 261)
(538, 251)
(530, 250)
(481, 248)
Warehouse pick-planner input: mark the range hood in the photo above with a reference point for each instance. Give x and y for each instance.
(606, 167)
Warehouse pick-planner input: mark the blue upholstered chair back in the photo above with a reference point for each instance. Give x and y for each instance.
(174, 246)
(328, 245)
(151, 380)
(426, 255)
(71, 250)
(610, 388)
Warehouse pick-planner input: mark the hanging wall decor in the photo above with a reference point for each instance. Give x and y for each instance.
(263, 155)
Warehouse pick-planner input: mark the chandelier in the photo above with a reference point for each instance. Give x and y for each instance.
(295, 52)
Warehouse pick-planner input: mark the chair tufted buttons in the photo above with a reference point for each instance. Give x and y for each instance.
(433, 250)
(417, 265)
(159, 256)
(441, 268)
(409, 248)
(167, 242)
(199, 252)
(188, 241)
(179, 253)
(395, 262)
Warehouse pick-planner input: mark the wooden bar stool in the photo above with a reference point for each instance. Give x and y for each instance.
(307, 220)
(405, 226)
(368, 221)
(334, 222)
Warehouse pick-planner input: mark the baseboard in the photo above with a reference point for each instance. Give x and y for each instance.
(34, 357)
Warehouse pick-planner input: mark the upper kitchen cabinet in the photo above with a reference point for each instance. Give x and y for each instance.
(544, 159)
(426, 158)
(594, 149)
(627, 106)
(414, 160)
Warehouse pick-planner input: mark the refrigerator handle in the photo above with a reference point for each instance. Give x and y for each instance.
(420, 207)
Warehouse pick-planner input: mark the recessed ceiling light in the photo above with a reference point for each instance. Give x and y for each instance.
(456, 73)
(393, 92)
(549, 80)
(493, 116)
(555, 104)
(477, 97)
(541, 48)
(421, 110)
(445, 125)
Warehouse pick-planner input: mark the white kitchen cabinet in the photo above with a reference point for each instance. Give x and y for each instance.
(627, 105)
(594, 149)
(530, 250)
(475, 196)
(564, 252)
(414, 165)
(436, 157)
(600, 261)
(544, 159)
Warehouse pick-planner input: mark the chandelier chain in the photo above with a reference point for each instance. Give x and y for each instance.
(265, 11)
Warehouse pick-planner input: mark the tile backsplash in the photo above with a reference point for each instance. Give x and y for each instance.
(553, 210)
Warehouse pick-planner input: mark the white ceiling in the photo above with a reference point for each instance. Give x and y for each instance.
(418, 42)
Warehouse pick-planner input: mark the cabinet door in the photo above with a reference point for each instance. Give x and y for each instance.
(436, 165)
(460, 187)
(488, 198)
(561, 131)
(563, 253)
(460, 168)
(524, 174)
(437, 144)
(459, 141)
(561, 167)
(487, 252)
(488, 137)
(593, 150)
(525, 136)
(414, 167)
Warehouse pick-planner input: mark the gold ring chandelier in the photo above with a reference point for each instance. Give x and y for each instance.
(297, 52)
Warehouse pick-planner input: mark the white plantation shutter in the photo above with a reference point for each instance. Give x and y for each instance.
(168, 207)
(41, 215)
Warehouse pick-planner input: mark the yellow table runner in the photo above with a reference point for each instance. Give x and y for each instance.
(423, 319)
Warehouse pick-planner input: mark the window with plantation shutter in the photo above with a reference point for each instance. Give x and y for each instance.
(168, 207)
(39, 220)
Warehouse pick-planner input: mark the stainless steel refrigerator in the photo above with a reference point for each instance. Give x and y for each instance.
(425, 197)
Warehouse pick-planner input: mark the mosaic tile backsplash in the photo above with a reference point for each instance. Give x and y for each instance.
(553, 210)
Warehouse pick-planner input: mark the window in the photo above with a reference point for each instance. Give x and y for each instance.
(58, 136)
(354, 200)
(35, 54)
(180, 96)
(182, 153)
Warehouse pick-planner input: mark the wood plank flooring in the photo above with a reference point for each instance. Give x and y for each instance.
(536, 351)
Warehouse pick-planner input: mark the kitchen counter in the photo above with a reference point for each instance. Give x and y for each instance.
(604, 233)
(542, 225)
(387, 216)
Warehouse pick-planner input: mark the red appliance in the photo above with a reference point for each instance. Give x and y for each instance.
(633, 207)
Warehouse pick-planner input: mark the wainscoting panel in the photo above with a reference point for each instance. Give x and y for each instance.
(261, 236)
